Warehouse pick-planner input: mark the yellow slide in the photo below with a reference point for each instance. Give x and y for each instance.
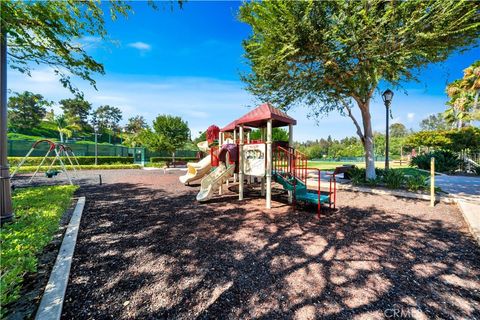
(197, 170)
(214, 180)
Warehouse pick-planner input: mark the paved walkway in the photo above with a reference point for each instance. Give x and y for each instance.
(467, 191)
(467, 188)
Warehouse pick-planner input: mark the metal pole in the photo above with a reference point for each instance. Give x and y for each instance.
(387, 165)
(6, 210)
(96, 147)
(240, 165)
(269, 165)
(432, 182)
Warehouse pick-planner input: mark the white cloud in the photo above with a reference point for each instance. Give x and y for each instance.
(142, 46)
(410, 116)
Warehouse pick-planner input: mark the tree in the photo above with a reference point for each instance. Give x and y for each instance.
(26, 110)
(107, 119)
(48, 33)
(65, 128)
(463, 94)
(434, 122)
(452, 140)
(136, 124)
(76, 111)
(398, 130)
(331, 55)
(278, 134)
(170, 133)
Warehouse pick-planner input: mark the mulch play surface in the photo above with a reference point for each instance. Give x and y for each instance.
(147, 250)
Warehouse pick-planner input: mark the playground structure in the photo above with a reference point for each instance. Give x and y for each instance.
(264, 159)
(197, 170)
(57, 150)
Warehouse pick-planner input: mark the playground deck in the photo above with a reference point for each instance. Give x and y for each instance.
(146, 249)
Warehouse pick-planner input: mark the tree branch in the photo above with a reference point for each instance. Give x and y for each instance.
(355, 122)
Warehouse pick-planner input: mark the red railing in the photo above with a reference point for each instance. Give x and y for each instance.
(289, 162)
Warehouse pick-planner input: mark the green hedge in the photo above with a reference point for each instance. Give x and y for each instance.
(82, 160)
(169, 159)
(29, 169)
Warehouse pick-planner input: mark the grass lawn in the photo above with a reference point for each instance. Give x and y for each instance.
(38, 211)
(327, 165)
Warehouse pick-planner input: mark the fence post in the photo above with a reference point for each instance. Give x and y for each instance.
(432, 182)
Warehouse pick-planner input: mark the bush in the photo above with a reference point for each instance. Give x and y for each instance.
(168, 159)
(416, 182)
(445, 161)
(477, 170)
(82, 160)
(357, 176)
(38, 213)
(393, 179)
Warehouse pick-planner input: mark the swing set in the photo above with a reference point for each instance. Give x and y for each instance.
(58, 150)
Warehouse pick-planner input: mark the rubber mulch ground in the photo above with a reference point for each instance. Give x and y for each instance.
(147, 250)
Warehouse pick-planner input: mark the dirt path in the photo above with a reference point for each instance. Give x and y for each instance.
(147, 250)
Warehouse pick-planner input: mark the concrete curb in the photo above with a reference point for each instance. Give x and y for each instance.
(468, 211)
(52, 301)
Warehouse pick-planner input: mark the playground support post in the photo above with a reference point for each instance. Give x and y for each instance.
(269, 165)
(240, 164)
(290, 135)
(432, 182)
(6, 209)
(235, 141)
(220, 143)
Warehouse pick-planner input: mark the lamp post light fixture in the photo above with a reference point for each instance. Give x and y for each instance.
(387, 97)
(95, 128)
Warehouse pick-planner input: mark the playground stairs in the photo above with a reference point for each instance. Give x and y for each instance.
(290, 170)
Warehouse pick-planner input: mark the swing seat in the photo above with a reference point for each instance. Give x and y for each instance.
(51, 173)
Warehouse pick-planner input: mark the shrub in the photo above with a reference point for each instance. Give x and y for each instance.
(445, 161)
(165, 159)
(357, 176)
(416, 182)
(476, 169)
(82, 160)
(393, 179)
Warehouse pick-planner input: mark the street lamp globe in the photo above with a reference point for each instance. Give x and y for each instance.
(387, 96)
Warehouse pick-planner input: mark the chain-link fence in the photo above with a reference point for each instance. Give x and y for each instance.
(19, 148)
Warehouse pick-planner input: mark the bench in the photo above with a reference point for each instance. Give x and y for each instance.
(343, 169)
(174, 164)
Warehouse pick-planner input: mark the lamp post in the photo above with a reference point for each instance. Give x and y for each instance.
(95, 128)
(387, 99)
(6, 209)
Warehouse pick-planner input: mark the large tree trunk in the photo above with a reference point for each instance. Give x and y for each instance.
(368, 140)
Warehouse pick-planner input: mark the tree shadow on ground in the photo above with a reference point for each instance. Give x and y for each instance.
(154, 252)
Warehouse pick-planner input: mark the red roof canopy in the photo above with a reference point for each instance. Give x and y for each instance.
(231, 126)
(259, 117)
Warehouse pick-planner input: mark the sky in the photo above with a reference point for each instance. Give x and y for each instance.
(187, 62)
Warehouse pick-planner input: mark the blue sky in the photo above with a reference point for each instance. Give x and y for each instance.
(187, 62)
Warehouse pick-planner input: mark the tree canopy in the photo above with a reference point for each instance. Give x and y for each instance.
(76, 111)
(26, 109)
(51, 32)
(169, 133)
(463, 94)
(398, 130)
(434, 122)
(136, 124)
(330, 55)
